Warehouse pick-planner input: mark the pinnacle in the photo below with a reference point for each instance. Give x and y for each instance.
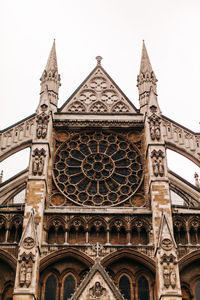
(145, 61)
(52, 60)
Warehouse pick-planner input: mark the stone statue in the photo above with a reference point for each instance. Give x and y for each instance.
(157, 163)
(38, 162)
(172, 277)
(28, 275)
(166, 276)
(42, 125)
(154, 124)
(22, 274)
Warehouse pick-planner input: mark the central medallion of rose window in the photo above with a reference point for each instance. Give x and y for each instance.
(98, 168)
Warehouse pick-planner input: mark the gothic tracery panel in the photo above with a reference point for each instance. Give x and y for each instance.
(98, 168)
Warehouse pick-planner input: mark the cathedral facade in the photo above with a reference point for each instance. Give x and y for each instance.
(102, 216)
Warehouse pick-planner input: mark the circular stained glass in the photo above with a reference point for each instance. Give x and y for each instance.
(97, 168)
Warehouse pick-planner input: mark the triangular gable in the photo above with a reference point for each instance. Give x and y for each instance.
(97, 285)
(165, 239)
(98, 94)
(29, 236)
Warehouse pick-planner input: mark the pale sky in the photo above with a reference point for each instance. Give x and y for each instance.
(113, 29)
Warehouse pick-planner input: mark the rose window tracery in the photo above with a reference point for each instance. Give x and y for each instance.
(97, 168)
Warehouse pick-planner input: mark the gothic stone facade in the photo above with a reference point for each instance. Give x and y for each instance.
(98, 220)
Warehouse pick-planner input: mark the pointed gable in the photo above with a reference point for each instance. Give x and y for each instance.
(29, 236)
(98, 94)
(165, 239)
(97, 285)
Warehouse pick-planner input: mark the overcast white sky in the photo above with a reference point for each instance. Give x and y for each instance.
(113, 29)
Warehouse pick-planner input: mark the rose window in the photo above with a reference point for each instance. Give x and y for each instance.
(98, 168)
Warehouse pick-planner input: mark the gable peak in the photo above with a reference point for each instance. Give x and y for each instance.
(98, 94)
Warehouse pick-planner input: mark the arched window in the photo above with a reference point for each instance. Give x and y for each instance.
(143, 289)
(197, 290)
(122, 236)
(93, 235)
(192, 236)
(125, 287)
(113, 235)
(2, 234)
(134, 236)
(81, 235)
(50, 288)
(144, 239)
(60, 235)
(69, 287)
(51, 235)
(72, 235)
(176, 235)
(183, 236)
(12, 234)
(102, 235)
(19, 233)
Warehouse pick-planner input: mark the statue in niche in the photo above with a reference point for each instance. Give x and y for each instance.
(22, 274)
(28, 274)
(157, 163)
(154, 124)
(166, 276)
(25, 273)
(42, 125)
(38, 162)
(169, 276)
(172, 277)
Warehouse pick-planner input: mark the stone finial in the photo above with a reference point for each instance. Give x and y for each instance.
(1, 176)
(99, 59)
(196, 177)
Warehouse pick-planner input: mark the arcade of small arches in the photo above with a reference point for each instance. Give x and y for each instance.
(10, 230)
(187, 230)
(117, 231)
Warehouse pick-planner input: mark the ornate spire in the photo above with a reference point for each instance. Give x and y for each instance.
(50, 81)
(146, 80)
(52, 60)
(145, 65)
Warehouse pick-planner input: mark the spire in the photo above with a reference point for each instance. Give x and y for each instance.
(145, 65)
(52, 60)
(50, 81)
(146, 80)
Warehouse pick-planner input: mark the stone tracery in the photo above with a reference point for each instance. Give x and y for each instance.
(98, 168)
